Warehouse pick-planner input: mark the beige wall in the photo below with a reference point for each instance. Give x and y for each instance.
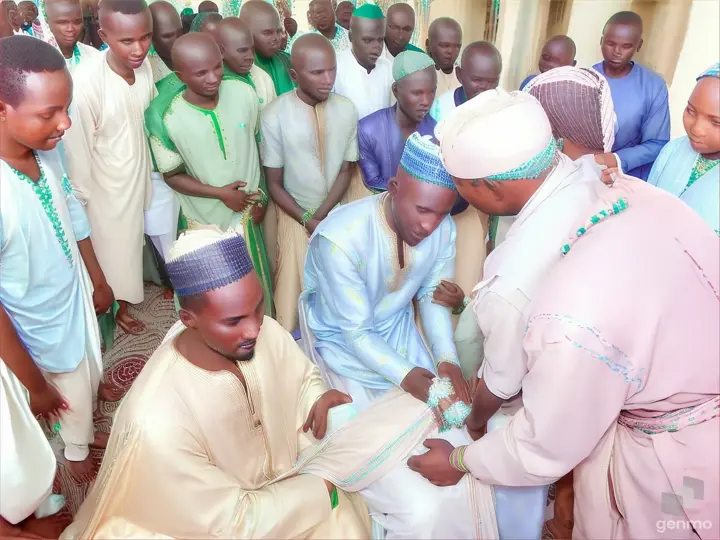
(700, 48)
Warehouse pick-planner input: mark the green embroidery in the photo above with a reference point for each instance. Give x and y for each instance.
(702, 166)
(44, 193)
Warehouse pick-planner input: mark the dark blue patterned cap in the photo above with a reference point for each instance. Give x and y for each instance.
(211, 266)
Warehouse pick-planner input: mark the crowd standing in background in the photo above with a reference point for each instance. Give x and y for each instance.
(407, 302)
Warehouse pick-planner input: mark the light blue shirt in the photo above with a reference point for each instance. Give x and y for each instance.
(39, 287)
(641, 105)
(672, 171)
(359, 301)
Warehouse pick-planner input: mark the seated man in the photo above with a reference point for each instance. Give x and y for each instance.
(223, 426)
(366, 265)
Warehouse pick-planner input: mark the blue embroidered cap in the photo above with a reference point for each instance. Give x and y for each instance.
(421, 160)
(712, 71)
(212, 266)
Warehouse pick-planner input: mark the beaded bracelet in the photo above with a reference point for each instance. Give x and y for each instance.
(458, 311)
(456, 459)
(307, 216)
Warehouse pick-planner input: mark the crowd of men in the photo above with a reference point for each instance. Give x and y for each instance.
(409, 300)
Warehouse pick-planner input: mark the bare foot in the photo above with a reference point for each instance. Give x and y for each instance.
(109, 392)
(168, 294)
(128, 323)
(100, 440)
(82, 471)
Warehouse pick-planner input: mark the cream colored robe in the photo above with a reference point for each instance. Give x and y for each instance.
(109, 167)
(446, 81)
(193, 454)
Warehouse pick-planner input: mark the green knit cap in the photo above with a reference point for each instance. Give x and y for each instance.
(408, 62)
(369, 11)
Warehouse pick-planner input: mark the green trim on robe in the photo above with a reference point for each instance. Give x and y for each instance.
(278, 67)
(231, 75)
(411, 47)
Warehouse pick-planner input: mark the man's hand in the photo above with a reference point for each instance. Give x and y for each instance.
(235, 198)
(317, 419)
(418, 383)
(103, 297)
(454, 373)
(435, 464)
(311, 224)
(48, 402)
(449, 295)
(258, 213)
(608, 159)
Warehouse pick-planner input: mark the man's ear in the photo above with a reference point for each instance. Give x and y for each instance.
(458, 74)
(640, 45)
(101, 35)
(293, 75)
(188, 318)
(395, 90)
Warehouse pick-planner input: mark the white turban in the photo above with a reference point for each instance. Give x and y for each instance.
(497, 133)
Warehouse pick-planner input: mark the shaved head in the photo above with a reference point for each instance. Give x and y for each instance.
(480, 68)
(343, 13)
(208, 6)
(444, 43)
(65, 20)
(400, 27)
(198, 63)
(167, 27)
(236, 44)
(621, 39)
(314, 68)
(626, 18)
(263, 20)
(558, 51)
(367, 37)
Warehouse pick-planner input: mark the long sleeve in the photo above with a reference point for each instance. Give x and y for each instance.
(499, 314)
(345, 292)
(576, 387)
(368, 162)
(79, 143)
(199, 499)
(436, 319)
(659, 166)
(655, 134)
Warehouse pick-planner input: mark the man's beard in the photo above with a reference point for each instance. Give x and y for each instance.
(235, 358)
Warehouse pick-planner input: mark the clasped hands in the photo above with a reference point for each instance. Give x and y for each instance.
(435, 463)
(236, 199)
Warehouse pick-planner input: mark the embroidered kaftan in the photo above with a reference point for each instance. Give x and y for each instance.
(672, 172)
(360, 302)
(605, 333)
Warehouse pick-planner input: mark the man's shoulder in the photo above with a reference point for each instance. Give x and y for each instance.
(278, 105)
(87, 50)
(339, 103)
(346, 225)
(237, 89)
(653, 76)
(88, 72)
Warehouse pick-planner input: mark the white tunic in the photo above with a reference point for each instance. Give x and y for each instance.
(109, 167)
(369, 92)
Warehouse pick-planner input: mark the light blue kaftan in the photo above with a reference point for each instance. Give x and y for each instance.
(671, 172)
(40, 288)
(359, 301)
(643, 115)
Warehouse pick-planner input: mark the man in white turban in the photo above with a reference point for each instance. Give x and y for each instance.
(596, 354)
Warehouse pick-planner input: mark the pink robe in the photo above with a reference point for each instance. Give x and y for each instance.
(624, 330)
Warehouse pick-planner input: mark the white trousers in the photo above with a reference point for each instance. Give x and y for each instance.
(161, 218)
(79, 388)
